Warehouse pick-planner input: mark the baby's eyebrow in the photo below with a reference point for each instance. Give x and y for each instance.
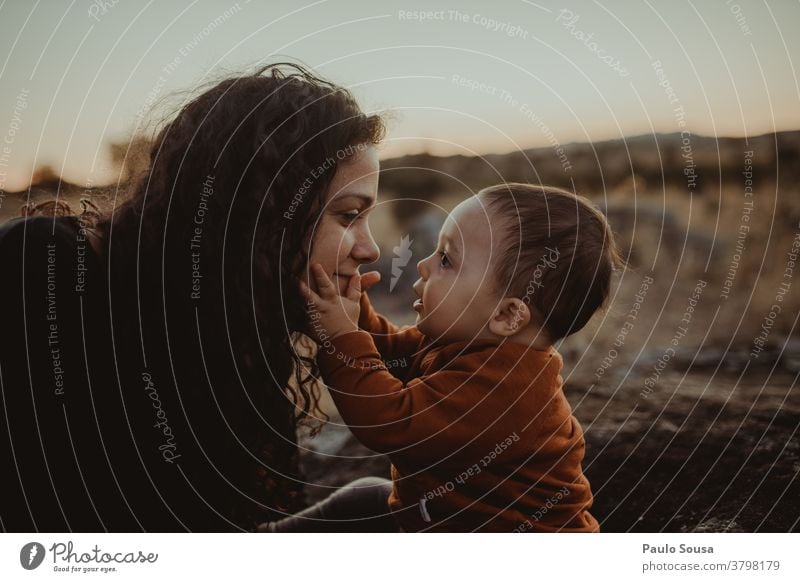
(453, 246)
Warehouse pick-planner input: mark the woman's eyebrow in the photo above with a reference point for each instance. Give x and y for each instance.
(365, 199)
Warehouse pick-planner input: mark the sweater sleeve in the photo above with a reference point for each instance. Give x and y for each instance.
(383, 413)
(390, 340)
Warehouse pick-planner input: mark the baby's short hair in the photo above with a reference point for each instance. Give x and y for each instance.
(557, 253)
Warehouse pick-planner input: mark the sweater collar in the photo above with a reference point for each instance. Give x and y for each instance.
(507, 349)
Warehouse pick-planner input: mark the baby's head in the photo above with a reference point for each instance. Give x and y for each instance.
(528, 263)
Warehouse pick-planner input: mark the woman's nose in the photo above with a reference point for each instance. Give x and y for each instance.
(365, 250)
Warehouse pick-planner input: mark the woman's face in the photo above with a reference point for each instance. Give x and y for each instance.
(341, 240)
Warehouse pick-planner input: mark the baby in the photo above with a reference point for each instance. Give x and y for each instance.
(476, 424)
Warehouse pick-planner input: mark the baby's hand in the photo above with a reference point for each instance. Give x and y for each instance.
(331, 314)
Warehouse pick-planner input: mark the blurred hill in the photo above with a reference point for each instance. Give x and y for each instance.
(128, 159)
(602, 168)
(678, 214)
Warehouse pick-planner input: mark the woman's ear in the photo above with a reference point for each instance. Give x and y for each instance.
(510, 316)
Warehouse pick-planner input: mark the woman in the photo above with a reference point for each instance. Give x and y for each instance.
(147, 365)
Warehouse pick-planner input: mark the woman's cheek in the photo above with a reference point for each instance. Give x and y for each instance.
(326, 243)
(346, 241)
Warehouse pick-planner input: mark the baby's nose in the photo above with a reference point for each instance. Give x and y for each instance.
(423, 272)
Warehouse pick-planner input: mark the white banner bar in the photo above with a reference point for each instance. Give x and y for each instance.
(389, 557)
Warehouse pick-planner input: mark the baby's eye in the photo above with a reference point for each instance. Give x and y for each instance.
(444, 262)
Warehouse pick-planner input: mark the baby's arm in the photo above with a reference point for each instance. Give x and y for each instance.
(392, 341)
(382, 412)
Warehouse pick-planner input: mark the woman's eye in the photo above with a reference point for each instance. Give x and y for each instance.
(351, 216)
(444, 262)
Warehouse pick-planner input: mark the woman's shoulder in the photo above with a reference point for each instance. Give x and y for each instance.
(40, 250)
(23, 230)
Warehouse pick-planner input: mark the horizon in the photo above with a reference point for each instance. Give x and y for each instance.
(455, 78)
(47, 169)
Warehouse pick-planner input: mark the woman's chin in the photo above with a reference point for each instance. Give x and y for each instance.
(342, 283)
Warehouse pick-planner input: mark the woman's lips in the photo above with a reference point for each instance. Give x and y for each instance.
(417, 305)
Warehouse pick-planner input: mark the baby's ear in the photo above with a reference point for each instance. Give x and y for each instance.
(510, 316)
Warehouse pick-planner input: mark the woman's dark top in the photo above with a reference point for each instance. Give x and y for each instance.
(90, 438)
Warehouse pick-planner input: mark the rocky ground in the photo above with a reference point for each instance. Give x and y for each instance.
(706, 451)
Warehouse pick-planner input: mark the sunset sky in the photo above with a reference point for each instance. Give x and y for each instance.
(461, 77)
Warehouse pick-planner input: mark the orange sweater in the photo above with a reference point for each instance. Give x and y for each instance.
(480, 435)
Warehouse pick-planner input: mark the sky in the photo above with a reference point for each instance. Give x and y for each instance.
(456, 77)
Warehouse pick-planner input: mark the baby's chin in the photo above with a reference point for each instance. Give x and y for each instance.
(444, 336)
(437, 336)
(422, 325)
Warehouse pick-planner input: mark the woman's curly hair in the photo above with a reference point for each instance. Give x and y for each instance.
(203, 259)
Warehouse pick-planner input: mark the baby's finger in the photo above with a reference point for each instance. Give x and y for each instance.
(353, 291)
(369, 280)
(308, 294)
(326, 287)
